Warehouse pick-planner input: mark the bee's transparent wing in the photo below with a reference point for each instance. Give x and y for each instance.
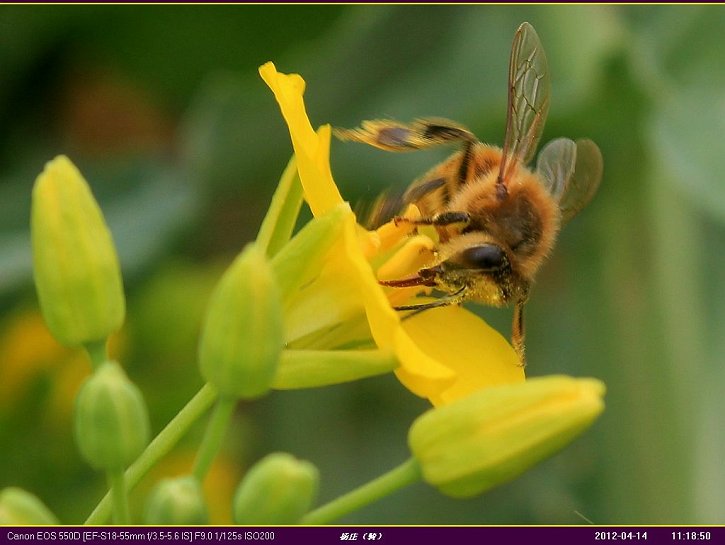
(555, 165)
(528, 100)
(585, 181)
(571, 172)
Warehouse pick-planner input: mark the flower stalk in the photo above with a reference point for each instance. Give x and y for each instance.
(397, 478)
(119, 496)
(214, 436)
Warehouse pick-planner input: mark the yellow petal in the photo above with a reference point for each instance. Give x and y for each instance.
(311, 149)
(423, 373)
(392, 232)
(475, 352)
(415, 253)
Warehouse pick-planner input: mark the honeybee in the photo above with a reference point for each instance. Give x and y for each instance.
(496, 218)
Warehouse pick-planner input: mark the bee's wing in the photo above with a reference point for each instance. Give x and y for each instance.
(571, 172)
(528, 100)
(585, 181)
(555, 165)
(382, 210)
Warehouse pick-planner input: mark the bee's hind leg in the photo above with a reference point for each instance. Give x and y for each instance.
(518, 332)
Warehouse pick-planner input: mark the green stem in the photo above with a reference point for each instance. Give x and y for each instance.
(406, 473)
(159, 447)
(214, 436)
(97, 353)
(117, 484)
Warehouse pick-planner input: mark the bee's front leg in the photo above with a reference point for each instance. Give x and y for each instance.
(443, 219)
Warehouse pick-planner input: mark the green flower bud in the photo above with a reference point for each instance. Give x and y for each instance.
(177, 501)
(279, 489)
(21, 508)
(76, 269)
(111, 421)
(300, 260)
(242, 335)
(489, 438)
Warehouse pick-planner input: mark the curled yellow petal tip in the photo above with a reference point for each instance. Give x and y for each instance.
(312, 149)
(277, 81)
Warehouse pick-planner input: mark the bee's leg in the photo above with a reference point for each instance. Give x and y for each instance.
(453, 299)
(396, 136)
(439, 220)
(518, 333)
(417, 280)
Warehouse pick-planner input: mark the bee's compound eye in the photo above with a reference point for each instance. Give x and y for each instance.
(485, 257)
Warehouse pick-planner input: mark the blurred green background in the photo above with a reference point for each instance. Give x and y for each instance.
(163, 110)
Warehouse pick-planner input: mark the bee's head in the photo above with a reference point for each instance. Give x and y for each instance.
(483, 257)
(475, 253)
(481, 266)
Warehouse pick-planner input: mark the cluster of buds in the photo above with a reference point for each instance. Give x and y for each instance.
(78, 279)
(79, 285)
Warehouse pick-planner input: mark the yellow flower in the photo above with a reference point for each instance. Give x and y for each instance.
(443, 354)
